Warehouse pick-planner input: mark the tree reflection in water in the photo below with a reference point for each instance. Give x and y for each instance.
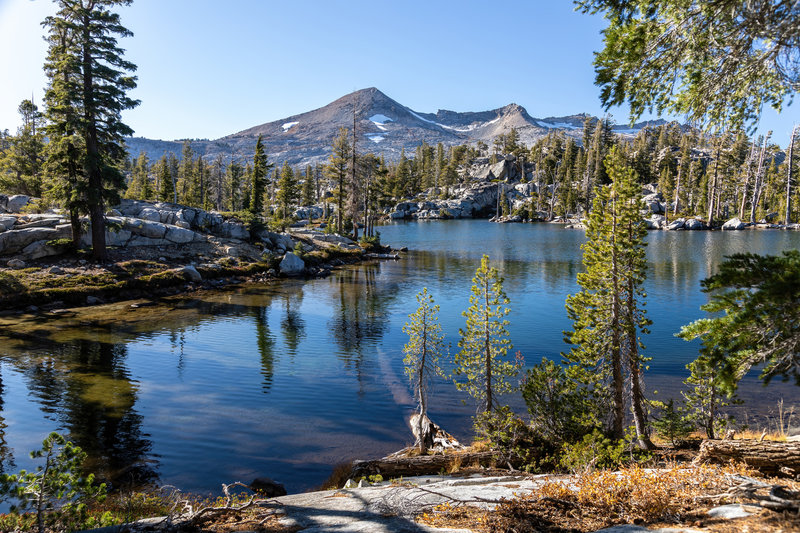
(85, 386)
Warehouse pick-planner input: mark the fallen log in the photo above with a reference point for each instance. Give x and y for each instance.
(768, 457)
(420, 465)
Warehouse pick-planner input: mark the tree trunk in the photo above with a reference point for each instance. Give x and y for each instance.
(393, 467)
(712, 193)
(95, 192)
(771, 458)
(757, 185)
(787, 219)
(618, 382)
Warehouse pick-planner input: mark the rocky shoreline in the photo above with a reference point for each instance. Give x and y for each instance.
(155, 250)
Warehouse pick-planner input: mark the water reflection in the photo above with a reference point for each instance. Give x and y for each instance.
(7, 464)
(285, 379)
(85, 387)
(359, 315)
(265, 343)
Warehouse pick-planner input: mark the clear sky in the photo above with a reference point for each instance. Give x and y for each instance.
(208, 68)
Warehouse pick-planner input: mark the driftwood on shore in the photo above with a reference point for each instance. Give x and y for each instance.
(390, 467)
(768, 457)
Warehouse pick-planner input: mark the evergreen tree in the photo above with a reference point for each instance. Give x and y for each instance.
(21, 161)
(187, 176)
(422, 353)
(87, 75)
(287, 191)
(139, 187)
(166, 187)
(336, 171)
(608, 312)
(258, 179)
(308, 195)
(484, 341)
(233, 180)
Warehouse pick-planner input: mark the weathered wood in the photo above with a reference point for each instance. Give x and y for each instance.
(419, 465)
(768, 457)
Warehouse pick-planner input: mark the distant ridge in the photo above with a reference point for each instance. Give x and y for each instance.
(384, 126)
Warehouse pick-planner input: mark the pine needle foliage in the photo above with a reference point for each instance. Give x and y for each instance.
(423, 351)
(481, 363)
(608, 313)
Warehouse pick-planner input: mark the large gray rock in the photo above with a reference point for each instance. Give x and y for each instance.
(17, 202)
(233, 230)
(500, 169)
(39, 249)
(114, 237)
(693, 224)
(675, 224)
(145, 228)
(41, 222)
(291, 265)
(734, 224)
(191, 273)
(12, 242)
(6, 222)
(179, 235)
(149, 213)
(655, 221)
(277, 241)
(16, 264)
(138, 240)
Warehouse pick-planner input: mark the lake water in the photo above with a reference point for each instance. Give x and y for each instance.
(287, 379)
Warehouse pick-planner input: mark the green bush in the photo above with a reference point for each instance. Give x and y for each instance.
(674, 424)
(560, 409)
(57, 492)
(595, 450)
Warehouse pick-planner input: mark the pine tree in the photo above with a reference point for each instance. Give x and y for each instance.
(258, 179)
(484, 341)
(21, 162)
(308, 196)
(166, 185)
(422, 353)
(233, 180)
(287, 191)
(336, 171)
(139, 188)
(87, 76)
(608, 312)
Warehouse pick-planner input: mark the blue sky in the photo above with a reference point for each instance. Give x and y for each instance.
(209, 68)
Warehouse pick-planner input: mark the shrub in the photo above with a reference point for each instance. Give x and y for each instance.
(595, 450)
(57, 492)
(514, 442)
(673, 425)
(561, 410)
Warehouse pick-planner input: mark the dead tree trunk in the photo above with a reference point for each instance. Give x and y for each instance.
(771, 458)
(392, 467)
(787, 219)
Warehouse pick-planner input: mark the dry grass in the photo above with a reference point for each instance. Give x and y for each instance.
(678, 495)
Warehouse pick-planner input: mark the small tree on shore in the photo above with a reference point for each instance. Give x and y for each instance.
(484, 342)
(58, 488)
(422, 353)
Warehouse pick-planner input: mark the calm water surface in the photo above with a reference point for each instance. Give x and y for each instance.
(287, 379)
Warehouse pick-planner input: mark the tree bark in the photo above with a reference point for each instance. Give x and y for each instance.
(390, 467)
(787, 219)
(768, 457)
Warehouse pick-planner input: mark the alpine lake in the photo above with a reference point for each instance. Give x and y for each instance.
(289, 378)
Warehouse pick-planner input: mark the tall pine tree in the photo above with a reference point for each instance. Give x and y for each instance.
(84, 52)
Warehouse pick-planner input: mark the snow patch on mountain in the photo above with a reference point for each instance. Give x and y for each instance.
(289, 125)
(375, 137)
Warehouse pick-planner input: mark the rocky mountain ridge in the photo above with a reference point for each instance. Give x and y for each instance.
(383, 126)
